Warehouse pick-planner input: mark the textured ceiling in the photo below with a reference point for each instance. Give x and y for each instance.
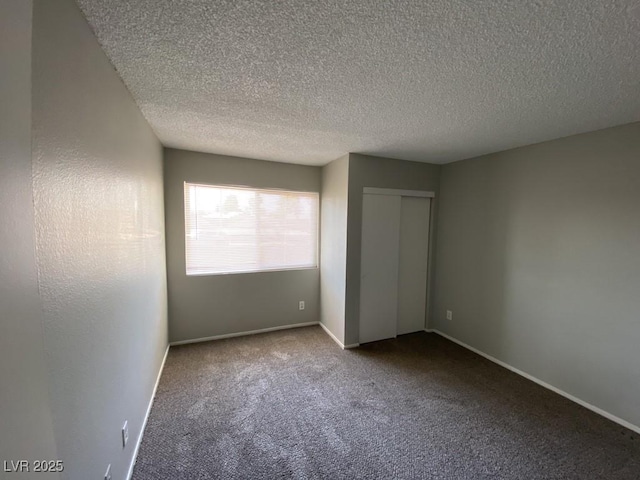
(436, 81)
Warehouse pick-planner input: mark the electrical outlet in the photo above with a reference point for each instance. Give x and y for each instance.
(301, 305)
(107, 475)
(125, 434)
(449, 315)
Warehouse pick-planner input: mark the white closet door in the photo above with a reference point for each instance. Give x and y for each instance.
(414, 252)
(379, 267)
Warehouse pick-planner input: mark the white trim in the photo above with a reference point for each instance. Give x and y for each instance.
(335, 339)
(328, 332)
(593, 408)
(242, 334)
(396, 192)
(236, 186)
(244, 272)
(146, 416)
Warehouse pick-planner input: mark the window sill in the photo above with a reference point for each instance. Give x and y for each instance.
(249, 272)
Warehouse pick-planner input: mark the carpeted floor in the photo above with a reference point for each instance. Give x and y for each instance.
(292, 404)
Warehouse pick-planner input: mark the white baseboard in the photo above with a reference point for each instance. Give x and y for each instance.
(146, 416)
(335, 339)
(593, 408)
(242, 334)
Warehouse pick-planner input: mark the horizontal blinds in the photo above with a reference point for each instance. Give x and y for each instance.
(236, 229)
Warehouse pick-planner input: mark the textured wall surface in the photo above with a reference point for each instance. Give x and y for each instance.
(307, 82)
(26, 428)
(100, 244)
(539, 260)
(333, 245)
(209, 305)
(367, 171)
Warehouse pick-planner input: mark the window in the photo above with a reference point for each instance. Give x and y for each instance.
(238, 229)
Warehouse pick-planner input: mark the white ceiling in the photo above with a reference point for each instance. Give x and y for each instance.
(435, 81)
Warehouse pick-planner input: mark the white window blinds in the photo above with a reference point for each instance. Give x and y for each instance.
(237, 229)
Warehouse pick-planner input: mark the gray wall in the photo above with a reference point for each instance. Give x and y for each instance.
(333, 245)
(26, 428)
(368, 171)
(210, 305)
(100, 246)
(539, 260)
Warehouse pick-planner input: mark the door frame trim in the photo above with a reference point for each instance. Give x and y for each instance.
(397, 192)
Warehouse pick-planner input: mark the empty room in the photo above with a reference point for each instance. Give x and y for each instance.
(330, 239)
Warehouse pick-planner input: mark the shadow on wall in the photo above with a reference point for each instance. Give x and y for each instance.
(538, 254)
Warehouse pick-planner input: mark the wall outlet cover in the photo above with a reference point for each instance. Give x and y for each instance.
(449, 315)
(301, 305)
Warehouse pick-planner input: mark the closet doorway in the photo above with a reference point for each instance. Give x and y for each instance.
(394, 258)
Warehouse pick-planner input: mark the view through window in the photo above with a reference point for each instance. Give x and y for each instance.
(238, 229)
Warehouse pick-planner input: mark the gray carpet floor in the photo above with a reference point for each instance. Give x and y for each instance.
(292, 404)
